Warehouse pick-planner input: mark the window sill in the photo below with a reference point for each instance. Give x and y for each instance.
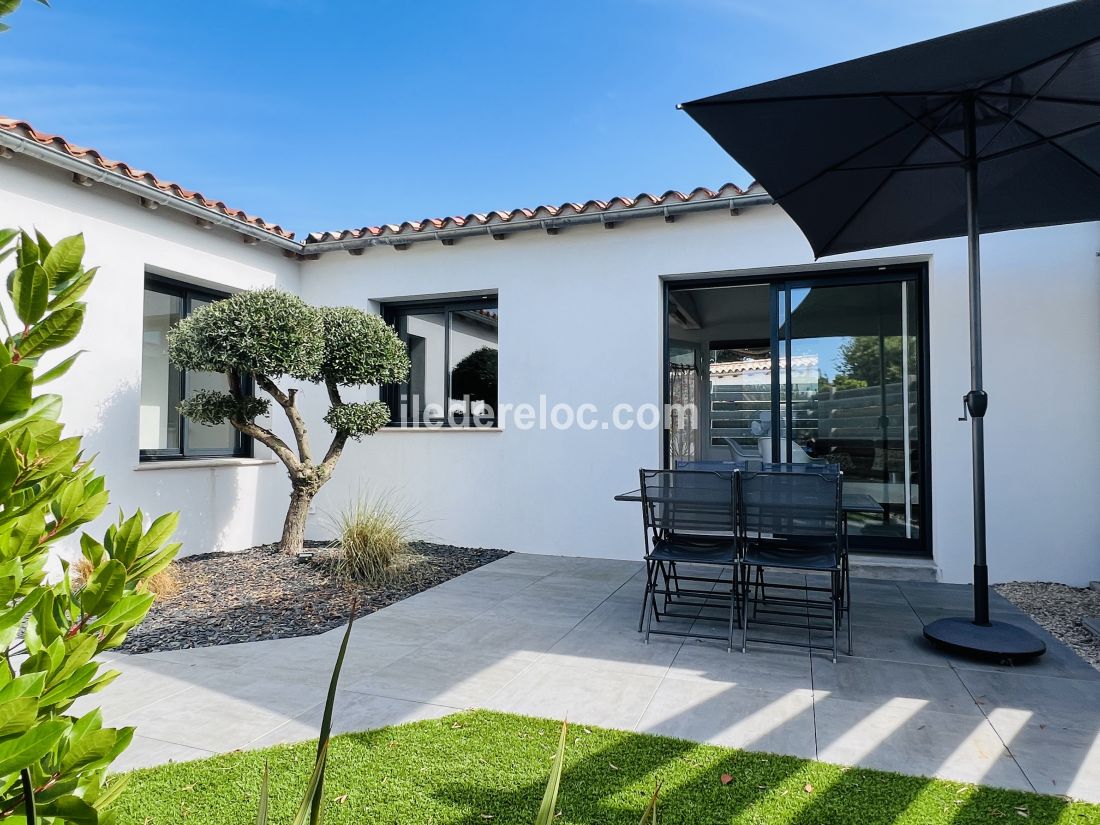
(440, 430)
(200, 463)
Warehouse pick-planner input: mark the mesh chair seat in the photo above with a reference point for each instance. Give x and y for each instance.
(690, 549)
(803, 557)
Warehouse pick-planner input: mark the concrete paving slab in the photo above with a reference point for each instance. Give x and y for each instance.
(729, 714)
(495, 638)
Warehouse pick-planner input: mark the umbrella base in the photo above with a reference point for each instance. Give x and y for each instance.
(997, 640)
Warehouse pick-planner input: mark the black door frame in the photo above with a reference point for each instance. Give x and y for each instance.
(781, 284)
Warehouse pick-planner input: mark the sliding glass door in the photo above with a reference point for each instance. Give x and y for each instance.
(827, 369)
(849, 374)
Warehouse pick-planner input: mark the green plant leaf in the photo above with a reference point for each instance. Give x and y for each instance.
(16, 382)
(59, 370)
(104, 588)
(649, 816)
(326, 718)
(158, 533)
(55, 330)
(63, 260)
(28, 250)
(128, 612)
(71, 810)
(312, 789)
(30, 293)
(18, 715)
(261, 810)
(18, 753)
(72, 291)
(553, 785)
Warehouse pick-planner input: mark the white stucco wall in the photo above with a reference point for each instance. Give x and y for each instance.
(580, 322)
(225, 507)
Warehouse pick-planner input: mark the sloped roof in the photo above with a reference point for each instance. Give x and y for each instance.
(609, 207)
(95, 158)
(59, 151)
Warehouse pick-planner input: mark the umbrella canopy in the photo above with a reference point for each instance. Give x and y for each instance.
(882, 139)
(988, 129)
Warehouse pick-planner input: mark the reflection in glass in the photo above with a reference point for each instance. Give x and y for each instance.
(158, 425)
(854, 397)
(473, 355)
(200, 437)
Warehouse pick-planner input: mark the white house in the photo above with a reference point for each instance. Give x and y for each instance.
(587, 308)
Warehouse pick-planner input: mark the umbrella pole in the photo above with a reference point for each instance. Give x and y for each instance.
(980, 636)
(976, 400)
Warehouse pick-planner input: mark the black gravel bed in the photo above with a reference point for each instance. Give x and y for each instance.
(262, 593)
(1061, 609)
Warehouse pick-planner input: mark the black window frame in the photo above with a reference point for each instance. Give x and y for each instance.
(393, 313)
(242, 445)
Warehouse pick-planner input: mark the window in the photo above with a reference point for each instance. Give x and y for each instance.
(453, 349)
(163, 432)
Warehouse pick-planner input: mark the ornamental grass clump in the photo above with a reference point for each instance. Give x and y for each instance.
(372, 536)
(267, 336)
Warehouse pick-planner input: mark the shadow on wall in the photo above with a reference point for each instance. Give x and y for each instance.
(222, 508)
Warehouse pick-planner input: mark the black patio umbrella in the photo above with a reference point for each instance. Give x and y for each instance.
(988, 129)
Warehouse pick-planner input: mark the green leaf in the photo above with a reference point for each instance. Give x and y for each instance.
(63, 260)
(71, 291)
(59, 370)
(126, 541)
(31, 685)
(30, 293)
(28, 250)
(261, 812)
(127, 612)
(71, 810)
(158, 533)
(16, 382)
(11, 618)
(89, 749)
(18, 715)
(550, 798)
(7, 235)
(303, 815)
(55, 330)
(649, 815)
(104, 588)
(27, 749)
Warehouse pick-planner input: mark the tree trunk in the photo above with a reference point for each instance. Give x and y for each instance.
(294, 528)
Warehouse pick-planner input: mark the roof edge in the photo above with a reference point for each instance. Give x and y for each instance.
(90, 167)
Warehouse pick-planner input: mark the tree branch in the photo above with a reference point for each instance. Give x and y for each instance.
(261, 434)
(297, 424)
(332, 455)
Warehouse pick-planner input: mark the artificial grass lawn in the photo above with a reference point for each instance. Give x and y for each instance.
(482, 768)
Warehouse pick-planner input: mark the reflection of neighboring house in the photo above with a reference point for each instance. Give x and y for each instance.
(757, 371)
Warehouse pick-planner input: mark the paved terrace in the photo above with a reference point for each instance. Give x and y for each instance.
(553, 636)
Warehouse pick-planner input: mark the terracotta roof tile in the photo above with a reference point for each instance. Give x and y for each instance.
(610, 207)
(24, 129)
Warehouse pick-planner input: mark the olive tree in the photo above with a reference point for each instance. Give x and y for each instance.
(268, 335)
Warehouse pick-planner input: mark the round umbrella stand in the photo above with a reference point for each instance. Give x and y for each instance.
(996, 640)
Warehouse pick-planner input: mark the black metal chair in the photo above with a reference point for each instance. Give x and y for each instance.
(690, 519)
(791, 521)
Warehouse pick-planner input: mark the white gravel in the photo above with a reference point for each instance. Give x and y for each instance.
(1060, 609)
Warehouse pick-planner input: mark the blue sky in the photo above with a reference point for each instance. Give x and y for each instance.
(326, 114)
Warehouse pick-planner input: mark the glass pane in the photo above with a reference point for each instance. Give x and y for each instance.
(158, 426)
(474, 365)
(424, 395)
(683, 392)
(201, 438)
(854, 388)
